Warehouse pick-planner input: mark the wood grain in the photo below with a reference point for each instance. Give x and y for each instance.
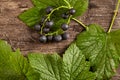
(20, 36)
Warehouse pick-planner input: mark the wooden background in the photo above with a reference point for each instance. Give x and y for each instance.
(20, 36)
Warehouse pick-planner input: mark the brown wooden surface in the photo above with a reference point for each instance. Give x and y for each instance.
(20, 36)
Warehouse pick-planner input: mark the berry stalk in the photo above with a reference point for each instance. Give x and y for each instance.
(49, 34)
(69, 19)
(67, 3)
(114, 16)
(80, 23)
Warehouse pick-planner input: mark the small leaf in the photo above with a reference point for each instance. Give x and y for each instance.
(52, 67)
(101, 49)
(31, 16)
(44, 3)
(79, 5)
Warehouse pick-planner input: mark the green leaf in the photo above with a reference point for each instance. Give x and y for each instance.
(32, 75)
(48, 66)
(31, 16)
(101, 49)
(58, 20)
(52, 67)
(57, 25)
(79, 5)
(44, 3)
(34, 15)
(74, 65)
(115, 36)
(13, 66)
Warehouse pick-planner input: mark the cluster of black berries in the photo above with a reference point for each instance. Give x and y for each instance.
(48, 25)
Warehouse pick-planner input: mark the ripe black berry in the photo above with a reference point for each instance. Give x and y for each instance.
(46, 30)
(37, 27)
(43, 39)
(65, 26)
(65, 16)
(57, 38)
(49, 24)
(49, 9)
(65, 36)
(50, 38)
(43, 19)
(72, 11)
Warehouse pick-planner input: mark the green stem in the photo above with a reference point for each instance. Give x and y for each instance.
(68, 4)
(69, 19)
(49, 34)
(114, 17)
(54, 33)
(56, 10)
(80, 23)
(49, 15)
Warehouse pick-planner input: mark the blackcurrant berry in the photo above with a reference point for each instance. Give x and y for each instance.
(49, 9)
(64, 26)
(43, 19)
(57, 38)
(49, 24)
(50, 38)
(65, 36)
(65, 16)
(72, 11)
(37, 27)
(46, 30)
(43, 39)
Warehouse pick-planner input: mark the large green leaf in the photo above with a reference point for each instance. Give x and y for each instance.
(115, 36)
(13, 66)
(102, 49)
(74, 65)
(52, 67)
(48, 66)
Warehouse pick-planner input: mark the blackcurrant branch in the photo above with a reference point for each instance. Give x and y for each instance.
(114, 17)
(49, 15)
